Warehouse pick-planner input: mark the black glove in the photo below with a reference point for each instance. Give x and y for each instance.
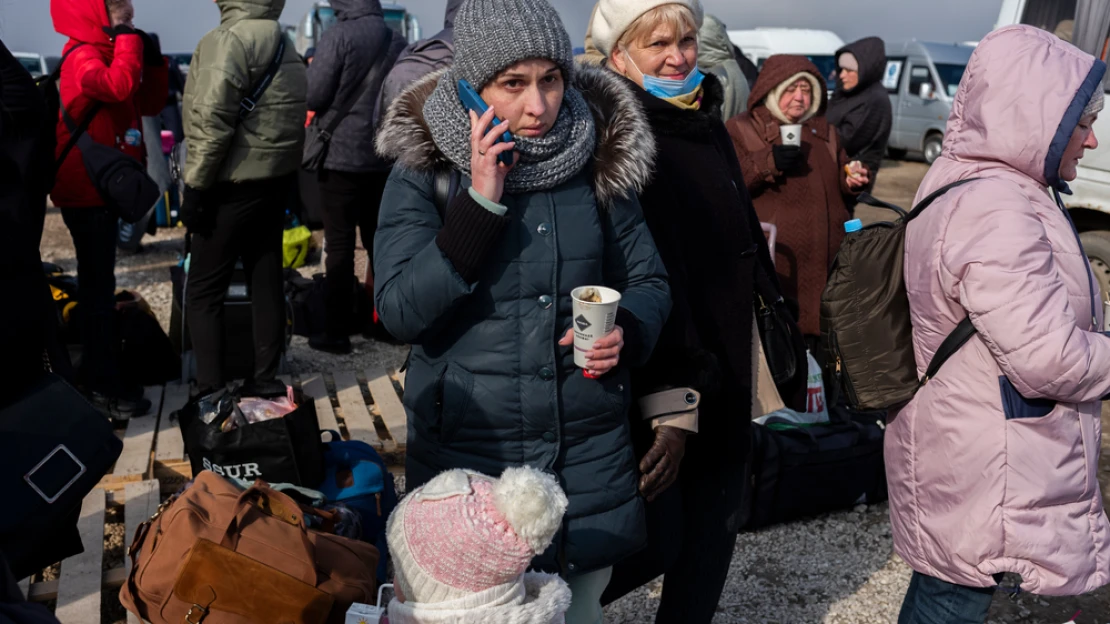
(152, 51)
(660, 465)
(787, 157)
(194, 213)
(115, 31)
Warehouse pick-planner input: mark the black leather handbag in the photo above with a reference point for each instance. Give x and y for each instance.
(782, 340)
(54, 448)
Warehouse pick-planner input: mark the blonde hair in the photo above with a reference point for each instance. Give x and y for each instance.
(678, 17)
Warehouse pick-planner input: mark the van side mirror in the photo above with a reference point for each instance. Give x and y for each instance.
(926, 91)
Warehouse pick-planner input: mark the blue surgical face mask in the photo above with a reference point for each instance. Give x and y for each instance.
(665, 87)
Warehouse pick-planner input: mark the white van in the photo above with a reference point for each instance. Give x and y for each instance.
(922, 79)
(819, 46)
(1089, 206)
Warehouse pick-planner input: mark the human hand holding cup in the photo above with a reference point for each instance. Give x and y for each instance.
(594, 333)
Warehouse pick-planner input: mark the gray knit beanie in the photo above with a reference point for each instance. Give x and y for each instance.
(1094, 106)
(491, 35)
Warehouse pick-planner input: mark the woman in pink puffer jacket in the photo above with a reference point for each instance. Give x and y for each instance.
(992, 466)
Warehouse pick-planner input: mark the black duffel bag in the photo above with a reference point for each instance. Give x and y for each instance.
(800, 470)
(121, 180)
(282, 450)
(54, 448)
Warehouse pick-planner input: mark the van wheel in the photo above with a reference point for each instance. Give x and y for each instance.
(932, 147)
(895, 153)
(1097, 246)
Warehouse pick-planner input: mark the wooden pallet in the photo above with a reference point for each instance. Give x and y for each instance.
(153, 465)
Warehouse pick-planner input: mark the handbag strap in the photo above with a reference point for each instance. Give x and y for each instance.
(248, 104)
(371, 74)
(952, 343)
(75, 135)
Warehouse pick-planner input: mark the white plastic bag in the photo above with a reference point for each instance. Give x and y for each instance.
(816, 409)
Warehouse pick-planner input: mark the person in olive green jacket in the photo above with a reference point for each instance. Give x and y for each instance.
(239, 166)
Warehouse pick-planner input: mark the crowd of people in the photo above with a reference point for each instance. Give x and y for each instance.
(649, 165)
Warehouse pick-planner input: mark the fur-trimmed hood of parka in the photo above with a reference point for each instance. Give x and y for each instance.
(623, 159)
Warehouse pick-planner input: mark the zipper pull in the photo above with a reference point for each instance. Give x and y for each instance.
(378, 500)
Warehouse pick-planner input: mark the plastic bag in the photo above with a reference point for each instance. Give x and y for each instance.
(817, 411)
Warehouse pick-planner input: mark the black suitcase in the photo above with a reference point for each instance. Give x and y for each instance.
(803, 470)
(238, 326)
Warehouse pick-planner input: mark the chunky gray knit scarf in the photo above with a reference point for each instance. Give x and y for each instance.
(545, 162)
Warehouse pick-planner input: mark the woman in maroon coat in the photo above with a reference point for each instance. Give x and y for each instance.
(803, 190)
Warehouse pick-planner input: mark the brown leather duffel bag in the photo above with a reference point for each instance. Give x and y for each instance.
(220, 555)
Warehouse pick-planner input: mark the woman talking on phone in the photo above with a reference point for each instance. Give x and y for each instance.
(479, 283)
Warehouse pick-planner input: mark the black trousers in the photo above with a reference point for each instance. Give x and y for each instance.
(692, 526)
(248, 223)
(349, 200)
(94, 232)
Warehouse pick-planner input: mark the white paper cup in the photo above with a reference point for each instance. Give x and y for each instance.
(592, 321)
(791, 134)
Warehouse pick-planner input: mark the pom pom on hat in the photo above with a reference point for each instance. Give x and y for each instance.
(533, 504)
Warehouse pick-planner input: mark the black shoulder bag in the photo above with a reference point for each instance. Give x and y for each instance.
(317, 141)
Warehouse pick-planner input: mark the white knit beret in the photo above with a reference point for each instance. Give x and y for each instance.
(613, 17)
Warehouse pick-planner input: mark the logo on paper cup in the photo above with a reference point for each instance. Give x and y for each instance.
(582, 323)
(790, 136)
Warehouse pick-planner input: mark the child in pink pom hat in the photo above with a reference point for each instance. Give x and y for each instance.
(462, 542)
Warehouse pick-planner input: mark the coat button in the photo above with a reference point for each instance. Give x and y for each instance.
(620, 387)
(572, 567)
(546, 302)
(546, 374)
(544, 229)
(548, 437)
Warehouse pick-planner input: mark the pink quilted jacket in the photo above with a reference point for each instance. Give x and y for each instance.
(992, 466)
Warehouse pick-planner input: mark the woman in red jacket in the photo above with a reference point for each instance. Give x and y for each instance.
(119, 70)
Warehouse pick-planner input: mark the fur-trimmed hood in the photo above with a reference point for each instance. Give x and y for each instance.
(623, 158)
(546, 601)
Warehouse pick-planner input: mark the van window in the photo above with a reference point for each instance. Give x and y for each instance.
(919, 75)
(826, 64)
(1049, 14)
(950, 76)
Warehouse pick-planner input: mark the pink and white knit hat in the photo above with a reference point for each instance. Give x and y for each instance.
(465, 533)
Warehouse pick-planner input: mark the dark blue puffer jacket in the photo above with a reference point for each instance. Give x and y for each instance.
(487, 385)
(343, 59)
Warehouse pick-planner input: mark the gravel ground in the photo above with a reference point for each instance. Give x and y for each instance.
(837, 569)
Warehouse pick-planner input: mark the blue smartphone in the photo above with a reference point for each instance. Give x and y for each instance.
(472, 101)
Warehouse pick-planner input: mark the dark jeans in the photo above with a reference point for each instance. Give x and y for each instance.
(94, 233)
(933, 601)
(249, 218)
(348, 200)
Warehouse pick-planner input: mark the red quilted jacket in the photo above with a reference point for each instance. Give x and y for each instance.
(100, 71)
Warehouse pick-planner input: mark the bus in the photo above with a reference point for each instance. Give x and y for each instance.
(322, 16)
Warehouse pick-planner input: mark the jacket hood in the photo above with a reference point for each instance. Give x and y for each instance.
(354, 9)
(546, 600)
(83, 20)
(780, 68)
(870, 52)
(236, 10)
(623, 158)
(1021, 119)
(449, 15)
(714, 46)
